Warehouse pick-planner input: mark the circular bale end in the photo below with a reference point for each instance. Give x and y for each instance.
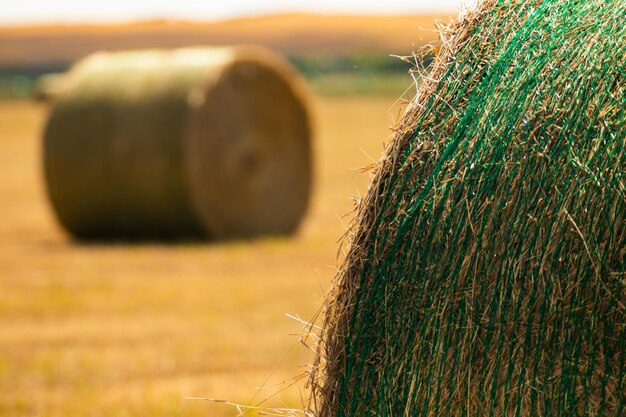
(248, 146)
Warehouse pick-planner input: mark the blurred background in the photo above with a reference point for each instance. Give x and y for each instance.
(130, 329)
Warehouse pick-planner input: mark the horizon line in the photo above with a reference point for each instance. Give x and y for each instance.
(43, 23)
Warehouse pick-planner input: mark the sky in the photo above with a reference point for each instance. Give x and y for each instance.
(75, 11)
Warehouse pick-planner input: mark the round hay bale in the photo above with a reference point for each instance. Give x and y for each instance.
(182, 143)
(487, 268)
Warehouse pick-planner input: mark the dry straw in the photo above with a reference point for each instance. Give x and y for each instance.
(486, 268)
(190, 142)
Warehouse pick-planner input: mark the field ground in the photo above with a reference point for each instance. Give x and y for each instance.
(129, 330)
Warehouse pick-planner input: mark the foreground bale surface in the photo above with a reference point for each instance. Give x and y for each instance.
(486, 270)
(183, 143)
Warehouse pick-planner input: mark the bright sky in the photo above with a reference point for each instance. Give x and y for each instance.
(72, 11)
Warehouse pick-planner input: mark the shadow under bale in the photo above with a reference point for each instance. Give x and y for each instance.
(486, 269)
(176, 144)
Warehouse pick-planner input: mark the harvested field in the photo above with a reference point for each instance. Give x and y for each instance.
(129, 330)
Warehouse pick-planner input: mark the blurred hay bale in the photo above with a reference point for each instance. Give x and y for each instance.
(486, 270)
(189, 142)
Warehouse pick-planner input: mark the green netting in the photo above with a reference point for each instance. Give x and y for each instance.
(486, 272)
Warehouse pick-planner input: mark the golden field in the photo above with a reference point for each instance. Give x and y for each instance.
(131, 329)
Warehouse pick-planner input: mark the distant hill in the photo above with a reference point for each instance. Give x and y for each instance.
(290, 34)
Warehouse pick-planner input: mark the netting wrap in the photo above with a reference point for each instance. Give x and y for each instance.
(486, 269)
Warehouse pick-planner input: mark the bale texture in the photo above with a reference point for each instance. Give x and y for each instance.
(182, 143)
(486, 269)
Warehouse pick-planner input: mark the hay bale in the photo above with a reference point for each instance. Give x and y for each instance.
(190, 142)
(486, 272)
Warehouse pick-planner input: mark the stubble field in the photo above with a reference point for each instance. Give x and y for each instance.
(131, 329)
